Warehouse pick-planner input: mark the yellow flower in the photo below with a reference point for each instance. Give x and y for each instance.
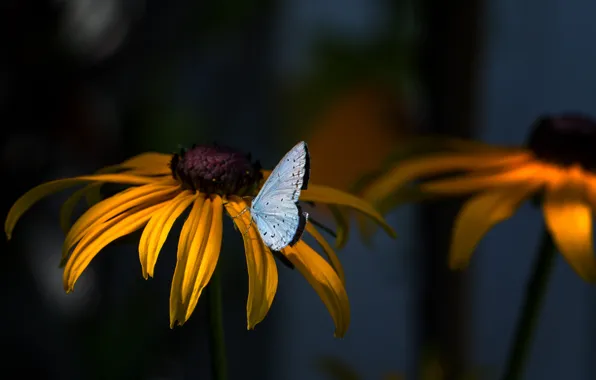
(557, 165)
(208, 180)
(360, 117)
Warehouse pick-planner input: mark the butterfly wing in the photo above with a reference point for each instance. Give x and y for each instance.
(292, 172)
(281, 228)
(275, 210)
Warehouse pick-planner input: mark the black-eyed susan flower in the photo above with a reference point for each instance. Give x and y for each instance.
(204, 181)
(557, 165)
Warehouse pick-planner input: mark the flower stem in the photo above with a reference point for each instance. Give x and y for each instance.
(526, 324)
(216, 329)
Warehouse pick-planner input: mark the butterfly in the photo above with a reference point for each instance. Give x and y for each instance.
(275, 210)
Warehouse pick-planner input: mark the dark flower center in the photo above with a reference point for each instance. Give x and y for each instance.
(565, 140)
(216, 170)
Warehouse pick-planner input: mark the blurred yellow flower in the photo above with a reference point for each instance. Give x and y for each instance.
(355, 133)
(208, 180)
(558, 165)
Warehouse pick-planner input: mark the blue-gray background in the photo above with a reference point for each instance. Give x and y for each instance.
(88, 83)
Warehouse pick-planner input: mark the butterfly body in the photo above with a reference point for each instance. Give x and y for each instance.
(275, 210)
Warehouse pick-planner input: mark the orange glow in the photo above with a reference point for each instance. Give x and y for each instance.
(354, 135)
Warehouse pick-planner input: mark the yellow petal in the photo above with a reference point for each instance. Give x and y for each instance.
(108, 208)
(157, 230)
(151, 163)
(189, 228)
(329, 195)
(100, 235)
(148, 160)
(197, 263)
(32, 196)
(323, 278)
(209, 258)
(473, 183)
(342, 229)
(196, 249)
(408, 170)
(569, 220)
(158, 173)
(262, 271)
(133, 166)
(333, 259)
(93, 196)
(479, 215)
(187, 235)
(69, 205)
(154, 165)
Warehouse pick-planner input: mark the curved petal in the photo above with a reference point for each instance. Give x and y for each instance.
(569, 220)
(473, 183)
(210, 255)
(93, 195)
(479, 215)
(197, 249)
(146, 164)
(32, 196)
(100, 235)
(329, 195)
(342, 221)
(149, 163)
(187, 235)
(197, 263)
(321, 276)
(157, 173)
(157, 230)
(69, 205)
(108, 208)
(408, 170)
(262, 271)
(148, 160)
(333, 259)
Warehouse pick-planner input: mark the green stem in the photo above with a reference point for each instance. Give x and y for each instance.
(526, 324)
(216, 329)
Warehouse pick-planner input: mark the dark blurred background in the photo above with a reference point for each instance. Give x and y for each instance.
(88, 83)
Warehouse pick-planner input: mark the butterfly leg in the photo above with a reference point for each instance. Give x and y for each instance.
(240, 213)
(245, 232)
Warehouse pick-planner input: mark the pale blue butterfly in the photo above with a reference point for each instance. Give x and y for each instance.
(275, 210)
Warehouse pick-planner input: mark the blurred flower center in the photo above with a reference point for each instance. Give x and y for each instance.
(565, 140)
(216, 170)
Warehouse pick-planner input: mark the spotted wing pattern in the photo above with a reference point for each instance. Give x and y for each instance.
(275, 210)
